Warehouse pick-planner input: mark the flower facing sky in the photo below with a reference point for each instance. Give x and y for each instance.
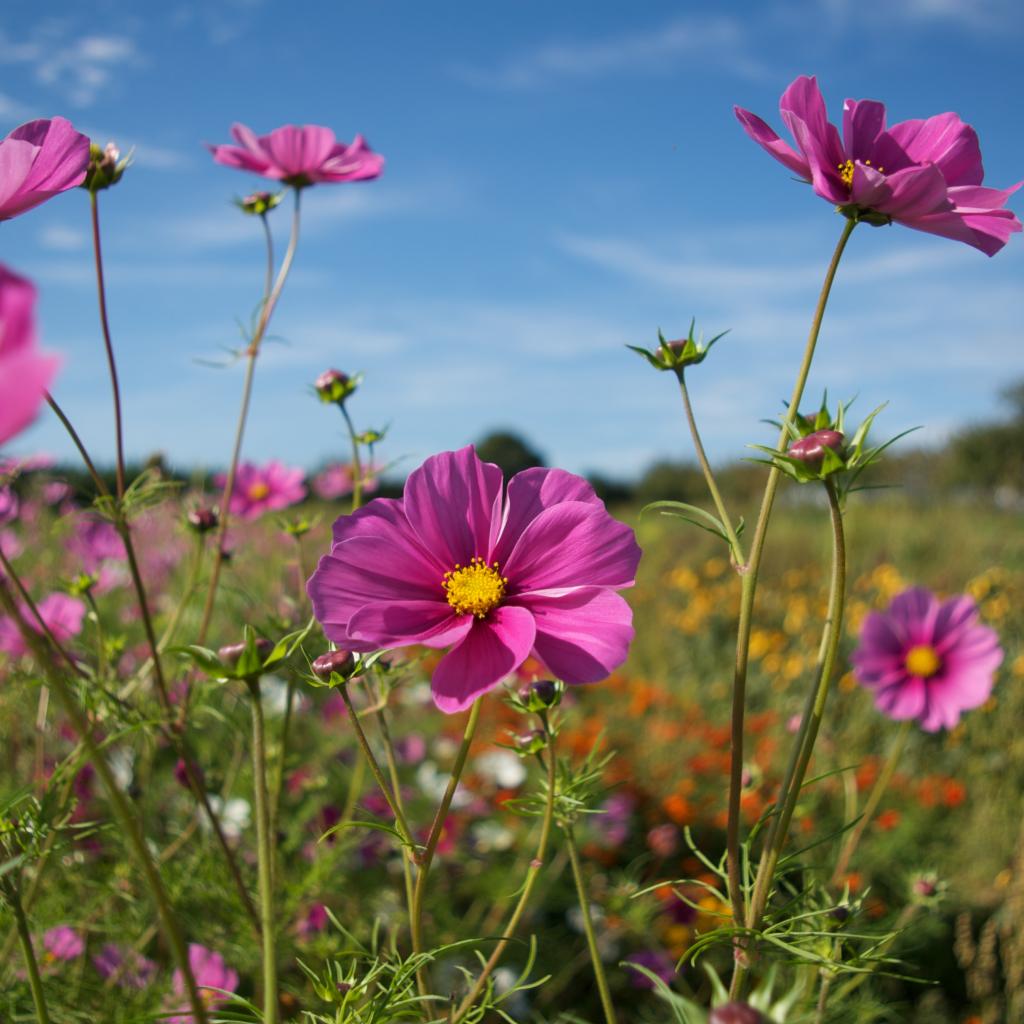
(455, 563)
(925, 174)
(38, 160)
(299, 155)
(25, 373)
(927, 659)
(260, 489)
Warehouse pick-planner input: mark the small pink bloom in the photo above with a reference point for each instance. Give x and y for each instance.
(213, 978)
(924, 174)
(25, 373)
(63, 943)
(38, 160)
(55, 492)
(260, 489)
(62, 614)
(132, 969)
(313, 921)
(299, 155)
(496, 578)
(94, 542)
(926, 659)
(333, 482)
(8, 505)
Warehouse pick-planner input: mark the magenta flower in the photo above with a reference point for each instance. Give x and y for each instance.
(214, 980)
(924, 174)
(62, 614)
(260, 489)
(336, 481)
(25, 373)
(299, 155)
(63, 943)
(38, 160)
(927, 659)
(454, 564)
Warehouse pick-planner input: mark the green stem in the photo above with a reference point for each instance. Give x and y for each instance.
(123, 811)
(101, 487)
(749, 590)
(532, 874)
(35, 982)
(357, 465)
(265, 855)
(877, 792)
(803, 746)
(107, 344)
(735, 550)
(588, 926)
(270, 301)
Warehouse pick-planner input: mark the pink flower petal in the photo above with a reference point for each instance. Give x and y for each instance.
(943, 140)
(863, 122)
(768, 140)
(401, 623)
(493, 649)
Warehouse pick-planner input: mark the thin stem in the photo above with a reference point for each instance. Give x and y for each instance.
(532, 874)
(101, 487)
(735, 550)
(265, 855)
(826, 984)
(877, 792)
(107, 344)
(808, 734)
(35, 982)
(123, 810)
(588, 927)
(357, 465)
(267, 310)
(749, 590)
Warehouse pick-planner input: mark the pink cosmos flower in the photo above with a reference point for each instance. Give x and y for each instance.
(336, 481)
(62, 614)
(927, 659)
(455, 563)
(213, 978)
(132, 969)
(299, 155)
(260, 489)
(925, 174)
(38, 160)
(25, 373)
(63, 943)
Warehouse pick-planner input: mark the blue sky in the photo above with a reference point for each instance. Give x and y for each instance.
(561, 180)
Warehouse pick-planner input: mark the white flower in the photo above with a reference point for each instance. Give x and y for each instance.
(505, 769)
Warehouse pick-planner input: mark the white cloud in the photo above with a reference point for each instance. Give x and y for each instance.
(716, 40)
(59, 238)
(982, 16)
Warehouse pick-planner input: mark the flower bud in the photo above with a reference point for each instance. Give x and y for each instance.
(333, 662)
(181, 773)
(202, 520)
(532, 742)
(105, 167)
(334, 387)
(540, 695)
(259, 203)
(230, 653)
(810, 450)
(737, 1013)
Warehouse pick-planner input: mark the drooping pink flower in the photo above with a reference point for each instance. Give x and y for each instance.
(25, 373)
(62, 614)
(38, 160)
(260, 489)
(927, 659)
(213, 979)
(299, 155)
(924, 174)
(63, 943)
(455, 563)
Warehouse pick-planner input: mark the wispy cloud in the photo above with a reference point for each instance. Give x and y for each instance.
(981, 16)
(78, 66)
(715, 40)
(60, 238)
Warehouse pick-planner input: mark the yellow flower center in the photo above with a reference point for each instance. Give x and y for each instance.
(474, 589)
(258, 491)
(845, 170)
(922, 661)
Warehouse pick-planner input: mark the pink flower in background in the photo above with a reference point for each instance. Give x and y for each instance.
(25, 373)
(96, 541)
(131, 969)
(8, 505)
(299, 155)
(260, 489)
(456, 564)
(924, 174)
(38, 160)
(63, 943)
(213, 978)
(927, 659)
(336, 481)
(62, 614)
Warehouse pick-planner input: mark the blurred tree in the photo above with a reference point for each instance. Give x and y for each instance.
(671, 481)
(508, 451)
(990, 456)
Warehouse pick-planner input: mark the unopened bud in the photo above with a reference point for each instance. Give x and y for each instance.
(736, 1013)
(532, 742)
(202, 520)
(334, 387)
(105, 167)
(810, 450)
(230, 653)
(331, 663)
(259, 203)
(181, 773)
(540, 694)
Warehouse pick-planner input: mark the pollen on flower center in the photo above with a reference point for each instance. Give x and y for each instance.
(258, 491)
(474, 589)
(922, 661)
(845, 170)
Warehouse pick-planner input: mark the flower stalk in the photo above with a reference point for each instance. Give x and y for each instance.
(35, 982)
